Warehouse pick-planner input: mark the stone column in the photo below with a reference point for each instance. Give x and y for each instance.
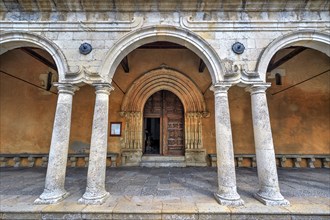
(54, 185)
(269, 192)
(227, 191)
(95, 190)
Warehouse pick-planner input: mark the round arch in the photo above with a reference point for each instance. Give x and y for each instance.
(172, 34)
(163, 79)
(13, 40)
(311, 39)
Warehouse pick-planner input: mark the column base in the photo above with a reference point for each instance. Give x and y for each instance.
(51, 198)
(271, 202)
(228, 202)
(90, 199)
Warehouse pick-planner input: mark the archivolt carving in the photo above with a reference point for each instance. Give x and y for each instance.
(154, 81)
(163, 79)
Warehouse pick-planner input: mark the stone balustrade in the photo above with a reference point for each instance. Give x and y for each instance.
(41, 160)
(282, 160)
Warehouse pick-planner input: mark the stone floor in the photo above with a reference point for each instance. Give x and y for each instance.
(164, 193)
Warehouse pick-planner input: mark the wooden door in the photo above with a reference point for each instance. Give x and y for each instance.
(168, 107)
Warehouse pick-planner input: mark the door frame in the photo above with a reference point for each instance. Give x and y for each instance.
(163, 145)
(160, 133)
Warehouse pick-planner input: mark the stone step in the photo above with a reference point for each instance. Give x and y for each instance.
(163, 161)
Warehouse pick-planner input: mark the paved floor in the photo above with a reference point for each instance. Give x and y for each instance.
(164, 193)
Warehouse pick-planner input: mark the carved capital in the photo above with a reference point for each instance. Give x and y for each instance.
(197, 114)
(130, 114)
(105, 88)
(258, 88)
(66, 88)
(220, 88)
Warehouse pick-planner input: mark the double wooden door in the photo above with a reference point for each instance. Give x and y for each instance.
(164, 124)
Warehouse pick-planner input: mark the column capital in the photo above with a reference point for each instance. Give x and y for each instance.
(105, 88)
(66, 88)
(220, 87)
(258, 88)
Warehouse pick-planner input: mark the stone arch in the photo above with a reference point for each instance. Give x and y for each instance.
(13, 40)
(172, 34)
(311, 39)
(163, 79)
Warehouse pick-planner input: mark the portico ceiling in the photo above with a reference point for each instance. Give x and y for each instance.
(160, 5)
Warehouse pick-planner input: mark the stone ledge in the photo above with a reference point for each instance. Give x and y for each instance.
(283, 160)
(30, 160)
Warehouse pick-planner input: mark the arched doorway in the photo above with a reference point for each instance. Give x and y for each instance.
(144, 107)
(163, 123)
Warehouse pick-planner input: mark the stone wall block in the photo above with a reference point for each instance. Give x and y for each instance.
(311, 162)
(86, 161)
(17, 161)
(297, 161)
(31, 161)
(325, 162)
(113, 161)
(3, 161)
(80, 35)
(73, 161)
(68, 36)
(44, 161)
(283, 159)
(239, 161)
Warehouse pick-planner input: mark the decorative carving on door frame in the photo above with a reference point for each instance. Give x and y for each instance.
(184, 88)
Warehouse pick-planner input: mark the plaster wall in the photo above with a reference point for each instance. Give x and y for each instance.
(26, 112)
(299, 112)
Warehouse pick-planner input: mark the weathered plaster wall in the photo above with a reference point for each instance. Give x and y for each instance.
(300, 115)
(241, 119)
(26, 112)
(82, 118)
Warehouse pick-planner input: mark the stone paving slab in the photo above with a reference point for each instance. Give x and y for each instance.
(164, 193)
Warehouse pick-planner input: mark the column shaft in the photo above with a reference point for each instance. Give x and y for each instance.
(269, 192)
(227, 191)
(95, 190)
(54, 184)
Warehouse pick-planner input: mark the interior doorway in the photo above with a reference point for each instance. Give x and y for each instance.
(152, 135)
(164, 125)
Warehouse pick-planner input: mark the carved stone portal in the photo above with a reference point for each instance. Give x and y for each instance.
(194, 108)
